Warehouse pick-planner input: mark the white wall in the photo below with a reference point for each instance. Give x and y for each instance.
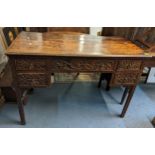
(95, 30)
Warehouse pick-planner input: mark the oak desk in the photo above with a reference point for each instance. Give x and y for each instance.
(35, 56)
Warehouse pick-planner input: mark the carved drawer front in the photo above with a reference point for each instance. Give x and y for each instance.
(128, 78)
(129, 65)
(30, 64)
(33, 80)
(84, 65)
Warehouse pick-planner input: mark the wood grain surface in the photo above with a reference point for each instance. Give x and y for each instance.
(72, 44)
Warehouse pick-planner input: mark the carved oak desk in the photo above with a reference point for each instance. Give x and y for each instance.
(35, 56)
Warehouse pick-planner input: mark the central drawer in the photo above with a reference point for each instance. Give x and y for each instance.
(82, 65)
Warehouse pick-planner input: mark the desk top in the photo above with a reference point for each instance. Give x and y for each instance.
(72, 44)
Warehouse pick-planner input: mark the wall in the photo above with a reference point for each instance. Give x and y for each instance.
(95, 30)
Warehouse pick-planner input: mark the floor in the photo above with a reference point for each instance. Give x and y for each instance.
(82, 105)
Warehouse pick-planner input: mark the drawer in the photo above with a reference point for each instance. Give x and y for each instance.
(149, 63)
(82, 65)
(33, 79)
(125, 78)
(30, 64)
(129, 65)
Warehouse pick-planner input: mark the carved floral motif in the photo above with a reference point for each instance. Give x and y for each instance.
(126, 78)
(82, 65)
(33, 80)
(32, 72)
(26, 64)
(129, 65)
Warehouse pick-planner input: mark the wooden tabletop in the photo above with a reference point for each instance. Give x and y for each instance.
(72, 44)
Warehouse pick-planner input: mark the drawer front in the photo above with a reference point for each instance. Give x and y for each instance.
(33, 79)
(82, 65)
(30, 65)
(129, 65)
(149, 63)
(125, 78)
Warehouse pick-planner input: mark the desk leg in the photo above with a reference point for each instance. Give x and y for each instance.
(100, 81)
(20, 105)
(124, 95)
(131, 92)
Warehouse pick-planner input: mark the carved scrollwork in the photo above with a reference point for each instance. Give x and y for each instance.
(82, 65)
(33, 80)
(129, 65)
(123, 78)
(28, 64)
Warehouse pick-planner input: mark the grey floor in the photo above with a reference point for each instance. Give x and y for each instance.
(82, 105)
